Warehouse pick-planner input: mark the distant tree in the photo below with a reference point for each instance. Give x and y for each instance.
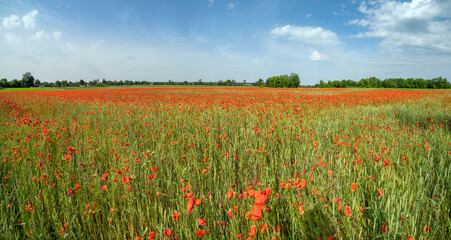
(230, 82)
(446, 84)
(388, 83)
(350, 83)
(64, 83)
(283, 81)
(374, 82)
(37, 82)
(81, 82)
(335, 84)
(4, 83)
(371, 82)
(409, 83)
(419, 83)
(440, 82)
(57, 83)
(294, 80)
(15, 83)
(399, 83)
(27, 80)
(321, 84)
(259, 83)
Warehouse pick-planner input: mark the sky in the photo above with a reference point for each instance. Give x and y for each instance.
(214, 40)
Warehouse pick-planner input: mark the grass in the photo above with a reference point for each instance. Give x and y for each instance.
(238, 150)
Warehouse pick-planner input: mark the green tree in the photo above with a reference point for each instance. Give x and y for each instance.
(283, 81)
(27, 80)
(419, 83)
(372, 82)
(4, 83)
(259, 83)
(322, 84)
(15, 83)
(294, 80)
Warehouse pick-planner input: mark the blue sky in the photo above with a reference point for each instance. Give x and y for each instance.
(220, 39)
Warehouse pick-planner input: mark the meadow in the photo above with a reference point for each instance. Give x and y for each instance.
(225, 163)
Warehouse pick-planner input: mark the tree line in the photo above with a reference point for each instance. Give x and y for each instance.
(373, 82)
(29, 81)
(281, 81)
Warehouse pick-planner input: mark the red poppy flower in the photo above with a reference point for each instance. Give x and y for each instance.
(252, 230)
(167, 232)
(176, 215)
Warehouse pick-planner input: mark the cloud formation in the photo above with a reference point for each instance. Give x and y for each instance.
(422, 24)
(308, 34)
(40, 35)
(231, 6)
(29, 20)
(11, 22)
(316, 56)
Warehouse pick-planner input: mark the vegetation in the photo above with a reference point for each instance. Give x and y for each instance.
(282, 81)
(29, 81)
(225, 163)
(373, 82)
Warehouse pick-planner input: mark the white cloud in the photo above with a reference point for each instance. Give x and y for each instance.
(312, 35)
(40, 35)
(29, 20)
(211, 3)
(419, 23)
(231, 6)
(316, 56)
(11, 22)
(308, 15)
(57, 35)
(360, 22)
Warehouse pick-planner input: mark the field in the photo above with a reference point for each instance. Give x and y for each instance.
(225, 163)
